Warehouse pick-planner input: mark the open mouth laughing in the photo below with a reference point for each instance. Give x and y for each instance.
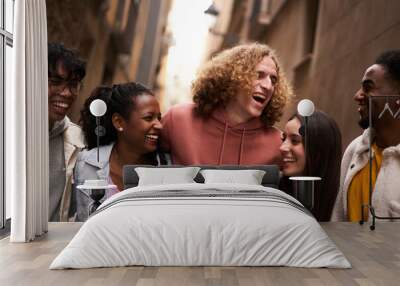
(60, 107)
(362, 109)
(260, 98)
(151, 139)
(289, 160)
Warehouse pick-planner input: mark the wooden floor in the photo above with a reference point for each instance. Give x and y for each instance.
(374, 255)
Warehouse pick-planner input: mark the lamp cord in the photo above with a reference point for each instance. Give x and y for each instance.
(98, 138)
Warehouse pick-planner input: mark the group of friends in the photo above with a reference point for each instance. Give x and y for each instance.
(238, 97)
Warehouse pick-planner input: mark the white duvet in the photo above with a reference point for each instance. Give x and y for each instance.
(225, 225)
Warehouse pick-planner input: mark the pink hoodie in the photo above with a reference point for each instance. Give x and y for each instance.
(192, 140)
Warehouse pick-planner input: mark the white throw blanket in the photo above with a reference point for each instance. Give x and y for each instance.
(201, 224)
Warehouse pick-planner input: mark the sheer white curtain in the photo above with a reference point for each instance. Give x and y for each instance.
(27, 152)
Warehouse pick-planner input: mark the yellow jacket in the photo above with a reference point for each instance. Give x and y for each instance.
(386, 194)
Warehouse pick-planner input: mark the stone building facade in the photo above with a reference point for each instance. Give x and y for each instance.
(121, 40)
(324, 46)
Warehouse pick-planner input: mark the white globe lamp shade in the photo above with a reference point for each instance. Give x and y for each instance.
(98, 107)
(305, 107)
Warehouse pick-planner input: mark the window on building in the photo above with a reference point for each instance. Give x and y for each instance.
(6, 65)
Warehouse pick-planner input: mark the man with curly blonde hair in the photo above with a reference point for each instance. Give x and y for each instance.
(238, 96)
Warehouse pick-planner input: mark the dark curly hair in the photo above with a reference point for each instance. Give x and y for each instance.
(233, 71)
(73, 65)
(119, 99)
(390, 60)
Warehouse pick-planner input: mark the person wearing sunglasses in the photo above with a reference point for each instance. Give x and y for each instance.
(65, 74)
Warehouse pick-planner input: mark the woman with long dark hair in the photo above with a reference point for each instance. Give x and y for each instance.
(324, 152)
(132, 128)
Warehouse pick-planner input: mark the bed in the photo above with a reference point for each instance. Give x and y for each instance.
(202, 222)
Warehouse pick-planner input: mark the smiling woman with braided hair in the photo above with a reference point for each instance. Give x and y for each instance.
(132, 127)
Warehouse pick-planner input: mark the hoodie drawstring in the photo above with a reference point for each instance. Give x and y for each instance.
(223, 144)
(241, 146)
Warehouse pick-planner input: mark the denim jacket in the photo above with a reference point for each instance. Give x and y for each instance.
(88, 168)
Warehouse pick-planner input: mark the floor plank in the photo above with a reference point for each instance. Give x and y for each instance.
(374, 255)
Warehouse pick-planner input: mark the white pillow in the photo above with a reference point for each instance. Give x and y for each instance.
(164, 176)
(248, 177)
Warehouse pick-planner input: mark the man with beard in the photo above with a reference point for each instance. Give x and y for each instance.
(66, 72)
(382, 79)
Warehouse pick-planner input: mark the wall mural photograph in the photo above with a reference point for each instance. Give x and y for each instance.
(225, 142)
